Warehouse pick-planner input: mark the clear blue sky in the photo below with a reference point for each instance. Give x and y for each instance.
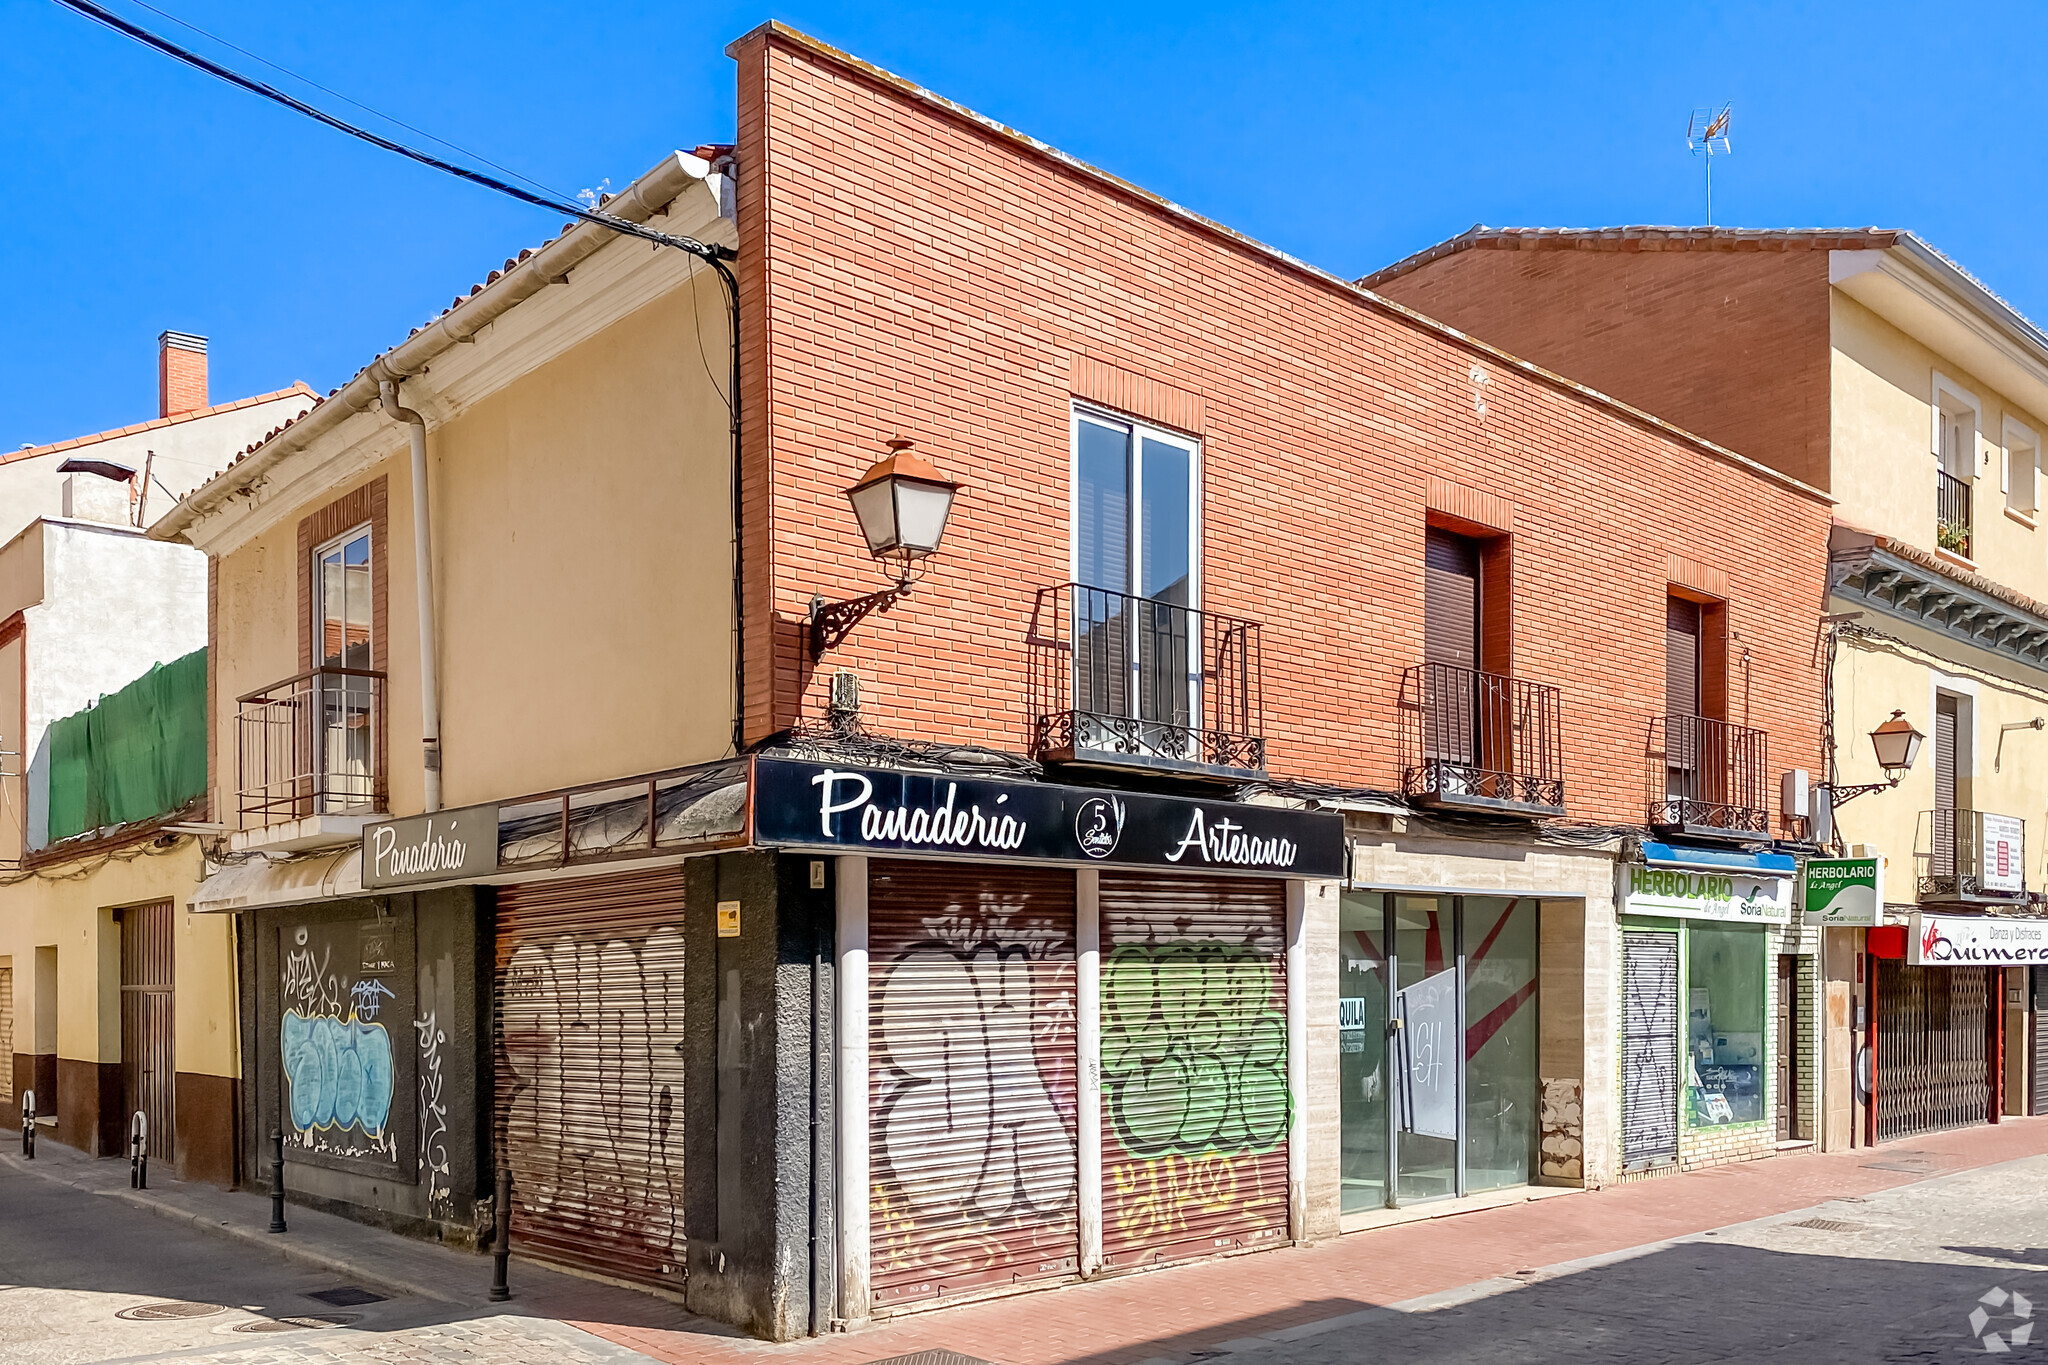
(144, 196)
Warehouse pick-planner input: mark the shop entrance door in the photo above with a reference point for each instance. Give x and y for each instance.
(1649, 1048)
(148, 1056)
(1933, 1048)
(1788, 1047)
(1437, 1029)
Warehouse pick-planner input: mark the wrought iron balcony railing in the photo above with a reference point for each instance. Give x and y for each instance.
(1970, 855)
(1480, 741)
(1709, 778)
(1136, 682)
(1952, 513)
(311, 745)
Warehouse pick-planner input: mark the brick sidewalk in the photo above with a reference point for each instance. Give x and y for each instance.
(1168, 1314)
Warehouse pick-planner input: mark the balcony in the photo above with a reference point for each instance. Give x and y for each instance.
(1952, 513)
(1970, 857)
(1144, 685)
(1480, 742)
(1709, 779)
(310, 760)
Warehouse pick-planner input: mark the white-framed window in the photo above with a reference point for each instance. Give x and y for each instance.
(2022, 463)
(1137, 566)
(1955, 428)
(341, 601)
(342, 705)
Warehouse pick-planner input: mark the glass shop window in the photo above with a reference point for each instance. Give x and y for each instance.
(1725, 1063)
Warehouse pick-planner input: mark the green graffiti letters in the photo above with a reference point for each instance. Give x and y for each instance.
(1194, 1049)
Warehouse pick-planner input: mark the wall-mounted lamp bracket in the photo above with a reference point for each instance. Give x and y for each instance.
(831, 622)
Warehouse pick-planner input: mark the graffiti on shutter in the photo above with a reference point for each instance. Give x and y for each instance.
(973, 1172)
(1649, 1048)
(1195, 1104)
(590, 1071)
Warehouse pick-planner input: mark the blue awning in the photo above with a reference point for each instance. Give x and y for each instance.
(1719, 859)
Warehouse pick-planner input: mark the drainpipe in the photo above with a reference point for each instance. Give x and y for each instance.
(423, 577)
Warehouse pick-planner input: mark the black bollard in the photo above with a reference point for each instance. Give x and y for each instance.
(501, 1251)
(138, 1151)
(28, 1124)
(277, 1181)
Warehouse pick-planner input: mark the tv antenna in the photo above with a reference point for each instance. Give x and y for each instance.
(1706, 134)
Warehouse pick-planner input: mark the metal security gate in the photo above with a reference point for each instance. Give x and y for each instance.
(7, 1037)
(1195, 1103)
(149, 1061)
(589, 1102)
(2038, 1071)
(973, 1174)
(1933, 1049)
(1649, 1048)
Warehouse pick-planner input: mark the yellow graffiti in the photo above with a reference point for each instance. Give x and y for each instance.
(1156, 1200)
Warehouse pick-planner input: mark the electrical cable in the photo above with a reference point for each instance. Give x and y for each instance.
(704, 251)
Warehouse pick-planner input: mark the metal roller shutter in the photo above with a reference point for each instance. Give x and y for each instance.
(973, 1173)
(1450, 600)
(1933, 1048)
(7, 1036)
(1195, 1102)
(2039, 1070)
(1649, 1048)
(590, 1071)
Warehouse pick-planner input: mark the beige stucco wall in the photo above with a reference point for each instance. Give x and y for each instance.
(74, 913)
(1884, 462)
(582, 549)
(1874, 677)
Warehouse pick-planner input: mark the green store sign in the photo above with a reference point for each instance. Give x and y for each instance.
(1743, 897)
(1844, 890)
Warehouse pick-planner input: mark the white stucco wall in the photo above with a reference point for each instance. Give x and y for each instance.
(114, 603)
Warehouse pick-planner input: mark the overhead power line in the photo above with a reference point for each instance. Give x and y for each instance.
(712, 252)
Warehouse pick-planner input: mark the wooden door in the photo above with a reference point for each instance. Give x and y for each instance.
(1788, 1047)
(148, 1053)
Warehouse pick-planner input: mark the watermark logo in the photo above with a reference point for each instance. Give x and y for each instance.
(1995, 1304)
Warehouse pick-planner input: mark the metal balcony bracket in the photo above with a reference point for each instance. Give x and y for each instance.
(829, 623)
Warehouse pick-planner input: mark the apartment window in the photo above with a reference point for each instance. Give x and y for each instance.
(1136, 530)
(2022, 463)
(1955, 449)
(341, 611)
(343, 702)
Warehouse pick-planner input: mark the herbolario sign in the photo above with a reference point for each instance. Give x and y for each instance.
(448, 845)
(1745, 897)
(1976, 940)
(854, 810)
(1844, 891)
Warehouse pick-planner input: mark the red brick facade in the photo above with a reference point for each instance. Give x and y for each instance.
(909, 270)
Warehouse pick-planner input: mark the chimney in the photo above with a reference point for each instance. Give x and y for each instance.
(180, 373)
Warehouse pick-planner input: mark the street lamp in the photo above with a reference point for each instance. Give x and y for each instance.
(902, 504)
(1897, 744)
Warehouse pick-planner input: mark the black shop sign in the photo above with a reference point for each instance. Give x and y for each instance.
(854, 810)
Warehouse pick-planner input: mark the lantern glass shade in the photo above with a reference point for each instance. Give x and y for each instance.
(902, 505)
(1897, 743)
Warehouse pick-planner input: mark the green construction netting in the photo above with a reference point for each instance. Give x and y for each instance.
(137, 754)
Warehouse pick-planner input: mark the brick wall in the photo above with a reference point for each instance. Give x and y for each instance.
(1732, 345)
(911, 271)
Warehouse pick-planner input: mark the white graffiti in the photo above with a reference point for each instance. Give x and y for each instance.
(308, 983)
(433, 1110)
(592, 1037)
(962, 1101)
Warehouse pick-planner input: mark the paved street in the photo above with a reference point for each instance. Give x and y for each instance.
(1866, 1256)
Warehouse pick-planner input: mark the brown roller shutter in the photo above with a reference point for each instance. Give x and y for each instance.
(1450, 600)
(973, 1175)
(1944, 751)
(1195, 1103)
(590, 1071)
(1681, 657)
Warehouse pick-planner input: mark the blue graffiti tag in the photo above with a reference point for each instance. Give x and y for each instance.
(365, 993)
(339, 1070)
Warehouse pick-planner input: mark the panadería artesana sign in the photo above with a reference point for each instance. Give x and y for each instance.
(854, 809)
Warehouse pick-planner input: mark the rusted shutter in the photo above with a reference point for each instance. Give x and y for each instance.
(972, 1053)
(1649, 1049)
(1195, 1104)
(1933, 1048)
(149, 1060)
(1450, 600)
(590, 1071)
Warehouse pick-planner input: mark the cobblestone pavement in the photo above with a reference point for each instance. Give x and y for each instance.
(71, 1266)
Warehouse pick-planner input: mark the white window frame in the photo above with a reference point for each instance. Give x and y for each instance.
(316, 568)
(2018, 434)
(1951, 397)
(1138, 429)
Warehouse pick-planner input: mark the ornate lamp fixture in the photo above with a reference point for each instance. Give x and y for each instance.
(902, 504)
(1897, 744)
